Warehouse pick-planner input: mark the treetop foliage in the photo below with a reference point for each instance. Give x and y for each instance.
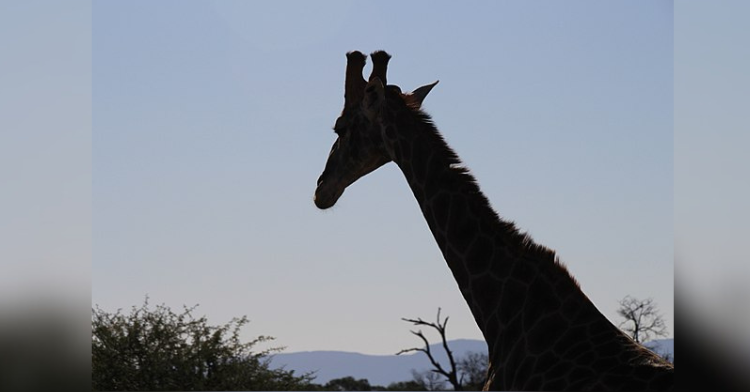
(158, 349)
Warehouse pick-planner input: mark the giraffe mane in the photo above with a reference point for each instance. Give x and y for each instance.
(522, 241)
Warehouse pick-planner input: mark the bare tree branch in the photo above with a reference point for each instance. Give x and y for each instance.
(445, 345)
(440, 327)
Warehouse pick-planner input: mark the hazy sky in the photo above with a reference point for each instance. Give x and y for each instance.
(212, 122)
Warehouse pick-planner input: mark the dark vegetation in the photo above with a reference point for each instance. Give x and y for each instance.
(152, 349)
(158, 349)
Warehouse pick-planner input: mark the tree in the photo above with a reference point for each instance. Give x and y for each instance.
(642, 319)
(158, 349)
(406, 386)
(348, 384)
(468, 373)
(429, 380)
(473, 368)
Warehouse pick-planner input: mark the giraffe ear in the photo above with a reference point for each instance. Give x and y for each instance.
(374, 97)
(416, 97)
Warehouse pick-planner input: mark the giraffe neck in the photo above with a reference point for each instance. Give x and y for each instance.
(524, 301)
(484, 253)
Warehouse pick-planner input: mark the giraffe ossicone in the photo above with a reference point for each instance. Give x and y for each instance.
(542, 332)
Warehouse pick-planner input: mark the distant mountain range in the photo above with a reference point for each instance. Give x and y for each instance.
(378, 369)
(662, 346)
(385, 369)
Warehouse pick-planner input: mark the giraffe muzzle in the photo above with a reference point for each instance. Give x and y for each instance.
(326, 196)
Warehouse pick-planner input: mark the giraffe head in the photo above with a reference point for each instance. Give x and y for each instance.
(360, 147)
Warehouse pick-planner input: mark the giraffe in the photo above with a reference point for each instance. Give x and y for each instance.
(542, 331)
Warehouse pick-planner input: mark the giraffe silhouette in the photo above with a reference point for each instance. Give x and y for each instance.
(542, 331)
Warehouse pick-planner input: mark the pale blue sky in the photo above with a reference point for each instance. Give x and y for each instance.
(212, 122)
(711, 177)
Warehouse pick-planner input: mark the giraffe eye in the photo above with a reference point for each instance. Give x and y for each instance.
(340, 126)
